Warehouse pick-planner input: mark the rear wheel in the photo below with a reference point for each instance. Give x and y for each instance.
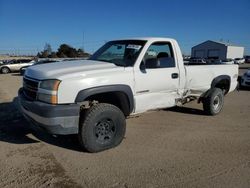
(5, 70)
(103, 126)
(214, 102)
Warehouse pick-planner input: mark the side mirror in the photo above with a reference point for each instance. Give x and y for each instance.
(143, 66)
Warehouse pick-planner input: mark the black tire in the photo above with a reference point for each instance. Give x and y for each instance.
(214, 102)
(102, 127)
(5, 70)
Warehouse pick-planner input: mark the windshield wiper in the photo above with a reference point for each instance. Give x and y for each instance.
(103, 60)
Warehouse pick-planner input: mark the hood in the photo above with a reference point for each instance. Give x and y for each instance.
(61, 70)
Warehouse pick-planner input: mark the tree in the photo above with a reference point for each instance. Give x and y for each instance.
(63, 51)
(67, 50)
(38, 54)
(81, 53)
(53, 55)
(47, 48)
(44, 54)
(61, 55)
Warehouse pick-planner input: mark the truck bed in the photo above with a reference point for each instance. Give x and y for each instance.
(200, 77)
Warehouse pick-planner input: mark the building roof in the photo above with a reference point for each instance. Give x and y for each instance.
(224, 43)
(219, 42)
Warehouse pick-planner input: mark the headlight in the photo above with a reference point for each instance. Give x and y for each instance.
(51, 85)
(47, 91)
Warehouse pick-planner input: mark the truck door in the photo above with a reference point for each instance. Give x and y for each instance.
(157, 79)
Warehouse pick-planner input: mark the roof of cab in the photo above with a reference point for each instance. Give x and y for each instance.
(149, 38)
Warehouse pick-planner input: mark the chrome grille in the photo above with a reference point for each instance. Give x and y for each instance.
(30, 87)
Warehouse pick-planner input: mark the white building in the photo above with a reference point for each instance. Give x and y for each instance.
(217, 50)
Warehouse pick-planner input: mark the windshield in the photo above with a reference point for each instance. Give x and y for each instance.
(121, 53)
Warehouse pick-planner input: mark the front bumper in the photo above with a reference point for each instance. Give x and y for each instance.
(56, 119)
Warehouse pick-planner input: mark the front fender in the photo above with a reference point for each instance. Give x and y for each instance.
(84, 94)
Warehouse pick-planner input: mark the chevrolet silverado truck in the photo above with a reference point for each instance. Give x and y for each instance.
(93, 98)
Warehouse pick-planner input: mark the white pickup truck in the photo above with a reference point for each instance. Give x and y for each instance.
(92, 98)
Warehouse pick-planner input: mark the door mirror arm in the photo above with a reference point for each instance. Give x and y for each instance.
(143, 66)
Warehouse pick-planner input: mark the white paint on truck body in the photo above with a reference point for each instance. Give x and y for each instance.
(152, 88)
(200, 77)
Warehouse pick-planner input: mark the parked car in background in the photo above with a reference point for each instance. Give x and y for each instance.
(245, 79)
(226, 61)
(197, 62)
(247, 59)
(23, 69)
(15, 65)
(239, 60)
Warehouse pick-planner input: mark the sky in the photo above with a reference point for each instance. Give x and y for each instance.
(27, 25)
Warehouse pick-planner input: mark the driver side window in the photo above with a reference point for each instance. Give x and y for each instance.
(159, 55)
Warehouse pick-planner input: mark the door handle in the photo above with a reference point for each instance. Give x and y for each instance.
(175, 75)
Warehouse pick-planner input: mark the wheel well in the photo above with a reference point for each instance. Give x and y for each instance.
(223, 82)
(224, 85)
(117, 98)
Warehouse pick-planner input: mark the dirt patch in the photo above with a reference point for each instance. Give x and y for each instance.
(26, 162)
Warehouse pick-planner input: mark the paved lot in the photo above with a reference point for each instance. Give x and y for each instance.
(178, 147)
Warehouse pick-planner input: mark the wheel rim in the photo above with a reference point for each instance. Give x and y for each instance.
(104, 131)
(4, 70)
(216, 103)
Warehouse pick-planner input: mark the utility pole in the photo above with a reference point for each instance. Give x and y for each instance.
(83, 41)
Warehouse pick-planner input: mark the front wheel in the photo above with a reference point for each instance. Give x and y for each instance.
(214, 102)
(102, 127)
